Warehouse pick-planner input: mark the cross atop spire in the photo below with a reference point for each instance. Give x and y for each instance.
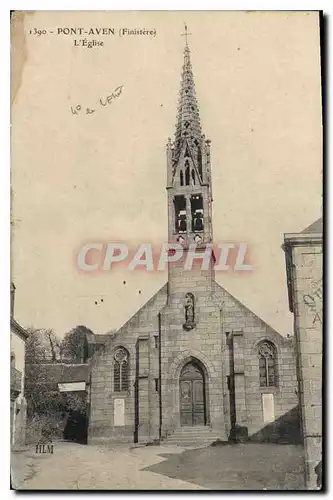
(186, 34)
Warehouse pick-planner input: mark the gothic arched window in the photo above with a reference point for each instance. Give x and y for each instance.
(193, 176)
(187, 173)
(267, 364)
(199, 158)
(181, 178)
(120, 370)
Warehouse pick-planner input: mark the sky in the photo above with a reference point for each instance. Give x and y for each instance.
(102, 177)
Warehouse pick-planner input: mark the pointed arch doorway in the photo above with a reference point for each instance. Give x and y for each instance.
(192, 393)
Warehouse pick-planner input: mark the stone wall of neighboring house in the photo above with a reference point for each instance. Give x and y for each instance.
(304, 260)
(18, 406)
(17, 347)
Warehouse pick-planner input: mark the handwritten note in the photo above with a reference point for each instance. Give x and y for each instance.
(103, 102)
(314, 300)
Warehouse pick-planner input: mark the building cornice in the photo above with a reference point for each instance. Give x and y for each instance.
(17, 328)
(302, 239)
(296, 240)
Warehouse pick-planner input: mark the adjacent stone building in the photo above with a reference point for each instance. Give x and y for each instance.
(193, 363)
(304, 262)
(18, 406)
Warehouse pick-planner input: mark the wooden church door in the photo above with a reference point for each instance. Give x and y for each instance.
(192, 395)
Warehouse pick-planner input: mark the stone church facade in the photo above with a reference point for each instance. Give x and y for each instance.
(193, 361)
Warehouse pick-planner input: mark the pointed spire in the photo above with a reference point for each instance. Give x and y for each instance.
(188, 121)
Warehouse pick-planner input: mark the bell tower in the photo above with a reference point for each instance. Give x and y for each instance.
(189, 169)
(191, 330)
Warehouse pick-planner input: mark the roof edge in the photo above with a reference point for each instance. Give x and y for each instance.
(18, 328)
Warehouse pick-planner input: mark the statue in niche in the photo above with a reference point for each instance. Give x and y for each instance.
(189, 312)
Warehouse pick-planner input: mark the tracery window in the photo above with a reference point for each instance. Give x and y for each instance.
(120, 370)
(267, 364)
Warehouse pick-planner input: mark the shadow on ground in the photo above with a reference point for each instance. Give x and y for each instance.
(250, 466)
(285, 429)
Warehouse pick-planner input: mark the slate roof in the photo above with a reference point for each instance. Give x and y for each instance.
(61, 372)
(101, 339)
(315, 227)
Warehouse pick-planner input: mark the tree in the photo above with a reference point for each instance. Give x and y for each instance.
(40, 389)
(54, 343)
(43, 371)
(74, 347)
(42, 345)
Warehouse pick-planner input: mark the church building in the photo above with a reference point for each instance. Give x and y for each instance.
(193, 364)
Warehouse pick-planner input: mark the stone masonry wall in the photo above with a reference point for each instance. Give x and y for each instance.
(248, 330)
(217, 314)
(136, 335)
(307, 297)
(203, 343)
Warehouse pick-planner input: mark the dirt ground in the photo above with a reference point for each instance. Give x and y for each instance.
(230, 467)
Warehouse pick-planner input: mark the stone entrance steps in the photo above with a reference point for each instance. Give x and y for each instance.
(199, 435)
